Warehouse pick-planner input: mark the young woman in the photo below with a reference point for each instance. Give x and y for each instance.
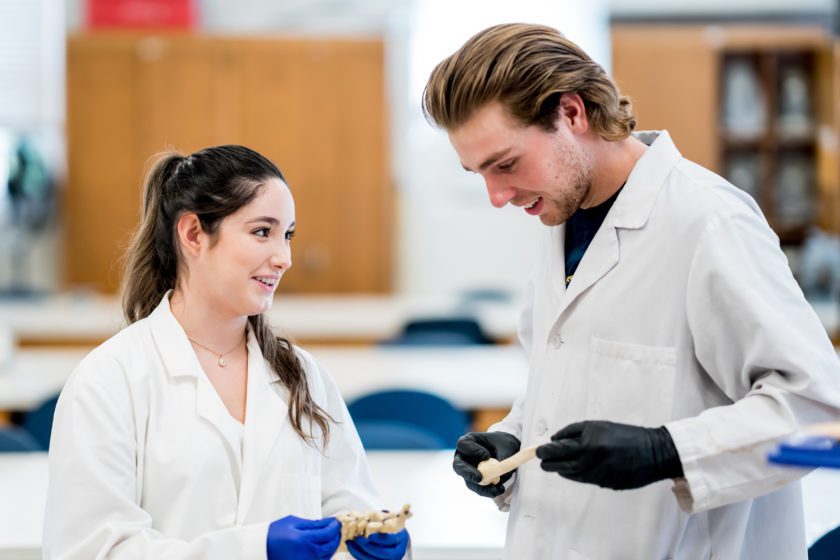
(196, 432)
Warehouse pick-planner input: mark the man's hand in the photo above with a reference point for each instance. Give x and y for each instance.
(611, 455)
(476, 447)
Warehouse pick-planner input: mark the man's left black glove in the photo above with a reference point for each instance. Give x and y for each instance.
(611, 455)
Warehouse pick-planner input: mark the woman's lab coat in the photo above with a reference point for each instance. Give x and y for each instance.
(146, 462)
(683, 313)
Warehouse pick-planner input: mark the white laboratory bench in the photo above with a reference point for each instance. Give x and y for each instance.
(449, 522)
(471, 377)
(89, 317)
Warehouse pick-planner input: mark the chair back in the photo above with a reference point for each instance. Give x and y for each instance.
(39, 422)
(14, 439)
(393, 412)
(827, 547)
(390, 435)
(443, 331)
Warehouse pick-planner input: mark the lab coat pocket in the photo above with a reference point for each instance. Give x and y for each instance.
(299, 494)
(630, 383)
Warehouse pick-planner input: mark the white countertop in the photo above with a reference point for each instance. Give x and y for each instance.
(471, 377)
(449, 521)
(90, 317)
(87, 317)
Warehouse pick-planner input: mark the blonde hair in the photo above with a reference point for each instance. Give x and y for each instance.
(526, 68)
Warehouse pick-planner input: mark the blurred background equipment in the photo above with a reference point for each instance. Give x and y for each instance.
(27, 213)
(32, 154)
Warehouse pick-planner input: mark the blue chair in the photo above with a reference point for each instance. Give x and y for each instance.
(39, 422)
(381, 434)
(15, 440)
(407, 419)
(827, 546)
(443, 331)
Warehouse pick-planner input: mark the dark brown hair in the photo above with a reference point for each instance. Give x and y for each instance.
(212, 183)
(526, 68)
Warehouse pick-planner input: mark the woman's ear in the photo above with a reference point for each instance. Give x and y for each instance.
(190, 235)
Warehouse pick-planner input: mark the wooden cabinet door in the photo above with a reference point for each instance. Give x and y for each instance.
(671, 75)
(315, 107)
(102, 199)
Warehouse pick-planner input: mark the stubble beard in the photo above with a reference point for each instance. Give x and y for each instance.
(568, 201)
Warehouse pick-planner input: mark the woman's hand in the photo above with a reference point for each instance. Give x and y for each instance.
(293, 537)
(379, 546)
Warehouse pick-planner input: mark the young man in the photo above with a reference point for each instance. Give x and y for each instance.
(670, 346)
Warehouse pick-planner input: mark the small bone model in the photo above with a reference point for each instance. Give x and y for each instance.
(356, 524)
(492, 469)
(828, 429)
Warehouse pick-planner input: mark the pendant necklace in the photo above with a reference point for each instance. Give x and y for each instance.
(222, 361)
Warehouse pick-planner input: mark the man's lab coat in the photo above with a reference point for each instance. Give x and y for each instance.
(683, 313)
(146, 461)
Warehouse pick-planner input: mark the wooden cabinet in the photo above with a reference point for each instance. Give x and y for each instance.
(756, 104)
(315, 107)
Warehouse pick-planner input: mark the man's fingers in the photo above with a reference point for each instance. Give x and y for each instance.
(465, 470)
(572, 431)
(471, 450)
(561, 450)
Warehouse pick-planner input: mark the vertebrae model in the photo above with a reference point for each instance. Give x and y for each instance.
(357, 524)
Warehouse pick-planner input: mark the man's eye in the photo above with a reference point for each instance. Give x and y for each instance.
(506, 166)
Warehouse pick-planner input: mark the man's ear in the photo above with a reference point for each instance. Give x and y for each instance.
(572, 110)
(189, 234)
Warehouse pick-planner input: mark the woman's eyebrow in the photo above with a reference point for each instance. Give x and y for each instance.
(269, 219)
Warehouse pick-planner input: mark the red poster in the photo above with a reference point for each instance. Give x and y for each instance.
(140, 13)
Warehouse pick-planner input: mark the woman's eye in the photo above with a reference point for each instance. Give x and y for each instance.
(262, 232)
(290, 234)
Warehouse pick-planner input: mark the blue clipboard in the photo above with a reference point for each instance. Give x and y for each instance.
(811, 451)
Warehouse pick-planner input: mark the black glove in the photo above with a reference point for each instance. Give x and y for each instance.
(617, 456)
(476, 447)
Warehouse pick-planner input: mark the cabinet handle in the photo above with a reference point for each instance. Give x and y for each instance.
(150, 49)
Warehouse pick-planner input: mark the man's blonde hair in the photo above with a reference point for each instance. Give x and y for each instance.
(526, 68)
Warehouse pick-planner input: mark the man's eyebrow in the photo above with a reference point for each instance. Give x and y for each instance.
(490, 160)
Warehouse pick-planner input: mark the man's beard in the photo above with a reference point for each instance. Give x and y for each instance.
(580, 163)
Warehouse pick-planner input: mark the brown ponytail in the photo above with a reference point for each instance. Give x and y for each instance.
(212, 183)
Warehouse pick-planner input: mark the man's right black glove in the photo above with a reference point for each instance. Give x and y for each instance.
(476, 447)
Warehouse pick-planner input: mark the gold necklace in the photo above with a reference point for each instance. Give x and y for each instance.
(222, 361)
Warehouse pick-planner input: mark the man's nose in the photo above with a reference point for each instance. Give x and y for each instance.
(499, 194)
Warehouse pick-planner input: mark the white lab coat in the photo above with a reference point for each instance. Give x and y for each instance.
(683, 313)
(146, 461)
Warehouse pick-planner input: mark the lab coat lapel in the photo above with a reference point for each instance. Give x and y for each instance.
(601, 256)
(630, 210)
(180, 362)
(266, 414)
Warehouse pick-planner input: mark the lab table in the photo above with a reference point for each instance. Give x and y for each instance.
(471, 377)
(449, 522)
(91, 318)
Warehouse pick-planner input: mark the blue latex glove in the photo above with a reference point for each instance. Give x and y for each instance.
(293, 537)
(379, 546)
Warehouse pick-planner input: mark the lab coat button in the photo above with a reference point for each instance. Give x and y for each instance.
(541, 428)
(556, 340)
